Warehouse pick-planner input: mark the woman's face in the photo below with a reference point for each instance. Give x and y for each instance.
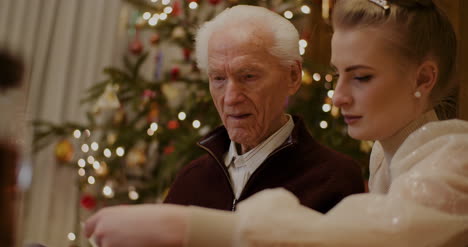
(375, 88)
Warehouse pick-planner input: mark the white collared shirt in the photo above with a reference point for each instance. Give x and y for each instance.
(241, 167)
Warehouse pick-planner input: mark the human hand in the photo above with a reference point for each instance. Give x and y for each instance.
(141, 225)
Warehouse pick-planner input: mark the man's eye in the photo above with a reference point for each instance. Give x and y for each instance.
(363, 78)
(218, 78)
(249, 76)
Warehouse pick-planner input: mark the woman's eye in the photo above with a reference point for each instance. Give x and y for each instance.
(363, 78)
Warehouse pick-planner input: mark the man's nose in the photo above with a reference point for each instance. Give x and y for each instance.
(234, 93)
(342, 95)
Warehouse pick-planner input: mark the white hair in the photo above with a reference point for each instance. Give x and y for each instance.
(285, 36)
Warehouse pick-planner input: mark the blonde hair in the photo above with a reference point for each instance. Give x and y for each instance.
(418, 29)
(285, 36)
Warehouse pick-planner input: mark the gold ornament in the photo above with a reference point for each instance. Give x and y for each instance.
(136, 157)
(64, 151)
(102, 170)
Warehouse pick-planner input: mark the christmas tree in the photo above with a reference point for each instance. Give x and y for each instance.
(142, 129)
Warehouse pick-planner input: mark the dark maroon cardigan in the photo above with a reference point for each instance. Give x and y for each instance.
(318, 176)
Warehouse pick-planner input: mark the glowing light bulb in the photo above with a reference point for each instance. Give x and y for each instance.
(81, 163)
(91, 180)
(94, 146)
(168, 10)
(147, 15)
(85, 148)
(305, 9)
(303, 43)
(288, 14)
(193, 5)
(323, 124)
(81, 172)
(77, 134)
(107, 153)
(120, 151)
(154, 126)
(107, 191)
(196, 124)
(71, 236)
(182, 116)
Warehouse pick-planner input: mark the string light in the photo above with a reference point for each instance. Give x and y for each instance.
(81, 172)
(168, 10)
(87, 132)
(107, 153)
(120, 151)
(81, 163)
(94, 146)
(305, 9)
(182, 116)
(150, 132)
(163, 16)
(108, 192)
(323, 124)
(288, 14)
(96, 165)
(196, 124)
(71, 236)
(303, 43)
(326, 107)
(85, 148)
(301, 50)
(147, 15)
(166, 2)
(193, 5)
(316, 77)
(91, 180)
(154, 126)
(77, 134)
(91, 160)
(154, 1)
(132, 194)
(153, 21)
(329, 78)
(330, 93)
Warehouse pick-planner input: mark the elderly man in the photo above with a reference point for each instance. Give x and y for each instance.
(253, 63)
(252, 59)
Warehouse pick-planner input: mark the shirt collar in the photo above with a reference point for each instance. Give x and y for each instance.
(262, 149)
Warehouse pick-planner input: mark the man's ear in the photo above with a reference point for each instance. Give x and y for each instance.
(426, 77)
(295, 77)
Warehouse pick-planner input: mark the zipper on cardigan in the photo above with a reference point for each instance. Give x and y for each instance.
(234, 204)
(261, 168)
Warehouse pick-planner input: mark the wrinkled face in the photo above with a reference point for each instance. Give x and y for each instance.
(248, 85)
(375, 91)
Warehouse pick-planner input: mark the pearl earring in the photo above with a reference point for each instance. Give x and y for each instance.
(417, 94)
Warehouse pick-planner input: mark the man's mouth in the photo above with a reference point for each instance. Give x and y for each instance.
(239, 116)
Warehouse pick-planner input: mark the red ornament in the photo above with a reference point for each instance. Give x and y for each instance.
(173, 124)
(136, 47)
(155, 39)
(176, 9)
(88, 202)
(187, 53)
(149, 94)
(214, 2)
(169, 149)
(175, 72)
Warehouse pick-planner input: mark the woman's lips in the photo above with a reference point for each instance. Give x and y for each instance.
(350, 119)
